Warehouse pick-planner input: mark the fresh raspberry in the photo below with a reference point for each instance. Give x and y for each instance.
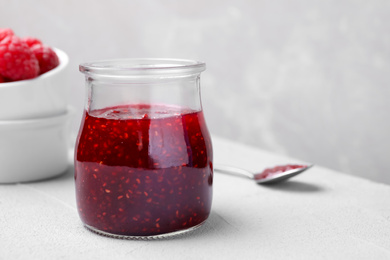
(46, 57)
(30, 41)
(17, 62)
(4, 32)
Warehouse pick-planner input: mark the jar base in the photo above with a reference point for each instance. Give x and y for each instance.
(154, 237)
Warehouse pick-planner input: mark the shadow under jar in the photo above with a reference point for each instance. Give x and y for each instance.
(143, 158)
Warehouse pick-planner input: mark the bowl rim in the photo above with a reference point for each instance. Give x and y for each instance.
(64, 61)
(38, 122)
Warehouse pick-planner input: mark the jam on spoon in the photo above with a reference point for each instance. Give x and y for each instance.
(272, 175)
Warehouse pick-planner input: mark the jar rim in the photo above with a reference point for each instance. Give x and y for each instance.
(141, 67)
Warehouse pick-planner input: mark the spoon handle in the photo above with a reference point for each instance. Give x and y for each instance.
(233, 170)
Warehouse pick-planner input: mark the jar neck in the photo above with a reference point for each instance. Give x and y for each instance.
(183, 92)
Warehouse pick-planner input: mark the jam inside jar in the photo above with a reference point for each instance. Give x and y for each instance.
(143, 158)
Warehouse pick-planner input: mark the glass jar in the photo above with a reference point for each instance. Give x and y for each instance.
(143, 158)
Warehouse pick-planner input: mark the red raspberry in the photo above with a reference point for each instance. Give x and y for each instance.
(17, 62)
(4, 32)
(46, 57)
(30, 41)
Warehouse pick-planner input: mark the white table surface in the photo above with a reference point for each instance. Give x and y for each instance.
(321, 214)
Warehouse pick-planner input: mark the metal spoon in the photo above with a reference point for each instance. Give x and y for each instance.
(267, 176)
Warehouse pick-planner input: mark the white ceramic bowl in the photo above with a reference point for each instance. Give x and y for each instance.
(34, 149)
(34, 98)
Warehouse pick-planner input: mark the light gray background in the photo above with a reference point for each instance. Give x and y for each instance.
(308, 79)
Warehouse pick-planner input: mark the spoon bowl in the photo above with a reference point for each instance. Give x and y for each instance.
(272, 175)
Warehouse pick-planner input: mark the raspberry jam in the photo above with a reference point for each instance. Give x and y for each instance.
(143, 170)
